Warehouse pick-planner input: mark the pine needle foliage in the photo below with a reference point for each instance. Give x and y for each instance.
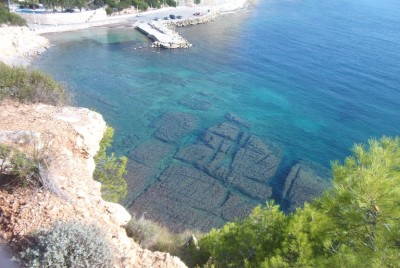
(354, 224)
(17, 168)
(110, 170)
(10, 18)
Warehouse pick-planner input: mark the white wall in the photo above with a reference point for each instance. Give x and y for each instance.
(65, 18)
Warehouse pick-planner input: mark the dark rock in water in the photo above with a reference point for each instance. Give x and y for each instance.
(139, 177)
(204, 93)
(236, 207)
(183, 198)
(243, 162)
(196, 154)
(195, 103)
(143, 166)
(220, 177)
(237, 120)
(302, 184)
(225, 130)
(215, 141)
(150, 152)
(252, 188)
(255, 160)
(172, 126)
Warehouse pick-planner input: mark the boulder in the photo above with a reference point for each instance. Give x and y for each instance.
(233, 118)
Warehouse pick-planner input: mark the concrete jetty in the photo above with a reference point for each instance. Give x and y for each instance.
(163, 33)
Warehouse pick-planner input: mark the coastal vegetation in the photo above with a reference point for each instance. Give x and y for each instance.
(25, 86)
(138, 4)
(19, 169)
(110, 170)
(121, 5)
(111, 5)
(10, 18)
(65, 4)
(155, 237)
(30, 86)
(355, 224)
(67, 244)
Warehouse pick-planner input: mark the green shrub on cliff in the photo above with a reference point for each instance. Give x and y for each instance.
(110, 170)
(109, 10)
(17, 168)
(151, 235)
(355, 224)
(171, 3)
(140, 4)
(10, 18)
(68, 245)
(30, 86)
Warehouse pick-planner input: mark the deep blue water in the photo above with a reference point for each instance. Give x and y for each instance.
(312, 76)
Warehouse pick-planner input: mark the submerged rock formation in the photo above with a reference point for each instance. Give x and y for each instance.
(69, 138)
(303, 184)
(219, 176)
(172, 126)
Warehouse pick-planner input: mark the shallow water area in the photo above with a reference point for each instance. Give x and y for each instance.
(305, 79)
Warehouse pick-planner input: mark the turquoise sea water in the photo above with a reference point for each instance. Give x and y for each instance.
(313, 77)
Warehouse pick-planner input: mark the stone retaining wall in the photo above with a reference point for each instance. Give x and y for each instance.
(65, 18)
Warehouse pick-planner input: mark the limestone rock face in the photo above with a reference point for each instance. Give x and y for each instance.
(17, 44)
(69, 138)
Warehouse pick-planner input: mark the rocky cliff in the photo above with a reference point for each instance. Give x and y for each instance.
(19, 44)
(69, 138)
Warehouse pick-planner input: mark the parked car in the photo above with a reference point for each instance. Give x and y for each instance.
(172, 17)
(179, 17)
(166, 18)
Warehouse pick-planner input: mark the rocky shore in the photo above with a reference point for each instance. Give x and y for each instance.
(69, 138)
(19, 44)
(168, 37)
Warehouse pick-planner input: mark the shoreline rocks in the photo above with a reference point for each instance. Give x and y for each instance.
(19, 44)
(71, 137)
(166, 35)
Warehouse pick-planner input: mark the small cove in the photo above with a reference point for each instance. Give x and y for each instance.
(310, 77)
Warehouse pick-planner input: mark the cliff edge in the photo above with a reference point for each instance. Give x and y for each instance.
(69, 137)
(19, 44)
